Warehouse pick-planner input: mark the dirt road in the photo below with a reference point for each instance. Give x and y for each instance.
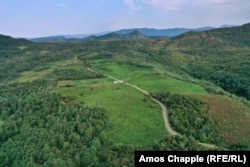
(163, 109)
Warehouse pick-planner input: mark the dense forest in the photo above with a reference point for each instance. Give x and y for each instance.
(188, 116)
(39, 130)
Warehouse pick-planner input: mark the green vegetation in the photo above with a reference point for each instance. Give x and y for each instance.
(71, 74)
(233, 83)
(56, 111)
(134, 118)
(189, 116)
(148, 78)
(28, 76)
(39, 132)
(156, 83)
(124, 71)
(178, 143)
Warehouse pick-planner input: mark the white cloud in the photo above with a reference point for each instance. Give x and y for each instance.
(168, 5)
(132, 6)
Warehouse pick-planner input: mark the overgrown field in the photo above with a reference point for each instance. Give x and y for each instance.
(134, 118)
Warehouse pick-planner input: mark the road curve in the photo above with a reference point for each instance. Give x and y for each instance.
(163, 108)
(164, 112)
(165, 117)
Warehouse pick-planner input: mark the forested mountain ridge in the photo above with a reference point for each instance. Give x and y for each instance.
(237, 36)
(219, 55)
(7, 41)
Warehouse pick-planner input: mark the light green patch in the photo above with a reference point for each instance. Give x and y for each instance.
(162, 83)
(90, 81)
(122, 71)
(134, 118)
(69, 62)
(22, 47)
(73, 63)
(43, 52)
(29, 76)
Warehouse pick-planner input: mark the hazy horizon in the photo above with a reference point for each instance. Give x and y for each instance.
(42, 18)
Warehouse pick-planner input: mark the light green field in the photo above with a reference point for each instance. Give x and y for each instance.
(22, 47)
(72, 63)
(29, 76)
(42, 72)
(90, 81)
(161, 83)
(144, 78)
(135, 119)
(122, 71)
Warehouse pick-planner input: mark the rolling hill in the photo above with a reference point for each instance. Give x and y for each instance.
(7, 41)
(97, 100)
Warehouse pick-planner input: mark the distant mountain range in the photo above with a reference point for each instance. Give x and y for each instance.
(145, 32)
(126, 34)
(163, 32)
(133, 35)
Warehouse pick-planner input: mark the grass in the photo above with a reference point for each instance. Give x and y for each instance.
(22, 47)
(65, 83)
(90, 81)
(162, 83)
(134, 118)
(145, 78)
(72, 63)
(68, 62)
(29, 76)
(122, 71)
(44, 71)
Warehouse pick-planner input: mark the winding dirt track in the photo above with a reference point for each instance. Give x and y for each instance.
(164, 112)
(163, 109)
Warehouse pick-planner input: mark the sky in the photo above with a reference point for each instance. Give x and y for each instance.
(37, 18)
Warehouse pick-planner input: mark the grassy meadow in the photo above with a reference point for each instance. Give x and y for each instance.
(135, 119)
(147, 78)
(162, 83)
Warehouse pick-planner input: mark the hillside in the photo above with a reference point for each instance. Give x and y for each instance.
(49, 39)
(7, 41)
(220, 55)
(94, 102)
(236, 36)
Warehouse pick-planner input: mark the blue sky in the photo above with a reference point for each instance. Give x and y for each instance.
(34, 18)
